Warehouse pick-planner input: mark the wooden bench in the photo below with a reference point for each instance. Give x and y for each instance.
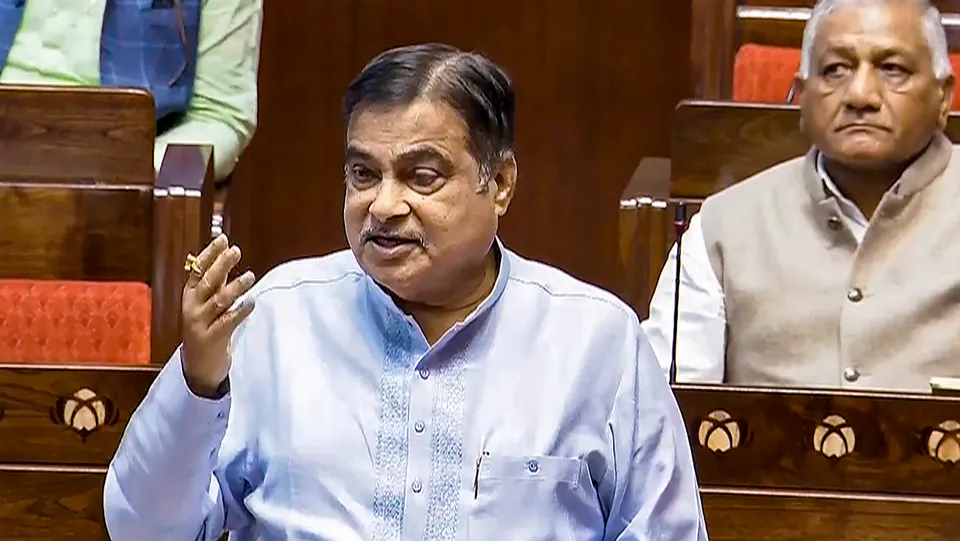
(784, 464)
(92, 246)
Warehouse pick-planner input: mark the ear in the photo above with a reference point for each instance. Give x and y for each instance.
(505, 182)
(799, 87)
(946, 100)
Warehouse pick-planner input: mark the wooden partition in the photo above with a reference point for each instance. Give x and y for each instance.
(59, 428)
(721, 27)
(781, 464)
(84, 220)
(715, 144)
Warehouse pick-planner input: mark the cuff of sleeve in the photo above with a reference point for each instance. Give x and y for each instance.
(185, 409)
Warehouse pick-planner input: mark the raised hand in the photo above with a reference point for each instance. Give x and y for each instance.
(209, 317)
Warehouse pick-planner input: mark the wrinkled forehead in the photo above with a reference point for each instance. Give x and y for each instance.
(386, 133)
(874, 26)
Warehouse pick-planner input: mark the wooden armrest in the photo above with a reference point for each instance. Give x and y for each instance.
(650, 179)
(183, 206)
(643, 223)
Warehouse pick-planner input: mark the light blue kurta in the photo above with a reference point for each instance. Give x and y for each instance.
(544, 416)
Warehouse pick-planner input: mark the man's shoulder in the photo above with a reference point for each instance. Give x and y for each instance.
(564, 292)
(335, 269)
(760, 187)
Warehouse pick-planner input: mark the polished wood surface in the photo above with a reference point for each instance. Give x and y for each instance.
(183, 212)
(717, 144)
(76, 183)
(91, 209)
(62, 504)
(81, 201)
(596, 84)
(779, 464)
(97, 136)
(775, 516)
(61, 426)
(67, 415)
(76, 233)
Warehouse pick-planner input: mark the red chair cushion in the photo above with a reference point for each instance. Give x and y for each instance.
(63, 322)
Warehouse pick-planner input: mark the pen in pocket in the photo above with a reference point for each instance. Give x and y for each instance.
(476, 478)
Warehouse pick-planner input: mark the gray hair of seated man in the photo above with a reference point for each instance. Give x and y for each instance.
(932, 28)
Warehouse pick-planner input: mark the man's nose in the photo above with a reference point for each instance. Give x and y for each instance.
(390, 201)
(863, 92)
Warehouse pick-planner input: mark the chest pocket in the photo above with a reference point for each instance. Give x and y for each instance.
(533, 498)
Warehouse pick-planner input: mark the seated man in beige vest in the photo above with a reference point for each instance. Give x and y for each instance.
(840, 268)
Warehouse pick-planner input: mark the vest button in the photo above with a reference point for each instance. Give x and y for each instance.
(855, 295)
(851, 374)
(833, 223)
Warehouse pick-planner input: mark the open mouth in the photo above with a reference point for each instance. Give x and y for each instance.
(388, 242)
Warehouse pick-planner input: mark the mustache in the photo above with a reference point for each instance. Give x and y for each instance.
(379, 231)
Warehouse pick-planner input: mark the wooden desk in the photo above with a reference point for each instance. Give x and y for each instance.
(781, 464)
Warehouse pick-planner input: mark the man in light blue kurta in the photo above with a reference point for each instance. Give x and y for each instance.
(538, 413)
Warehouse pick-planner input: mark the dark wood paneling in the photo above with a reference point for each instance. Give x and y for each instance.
(38, 505)
(778, 432)
(596, 85)
(98, 136)
(76, 233)
(778, 464)
(717, 144)
(775, 516)
(67, 416)
(713, 42)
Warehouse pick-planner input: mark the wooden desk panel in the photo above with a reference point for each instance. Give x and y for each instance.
(67, 416)
(778, 516)
(51, 504)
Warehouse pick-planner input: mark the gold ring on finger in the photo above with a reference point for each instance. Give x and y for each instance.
(192, 265)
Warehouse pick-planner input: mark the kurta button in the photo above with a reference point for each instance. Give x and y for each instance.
(833, 223)
(851, 374)
(855, 295)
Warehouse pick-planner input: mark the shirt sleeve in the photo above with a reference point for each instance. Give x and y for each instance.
(223, 108)
(177, 475)
(701, 322)
(655, 496)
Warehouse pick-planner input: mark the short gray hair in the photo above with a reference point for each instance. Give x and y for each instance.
(932, 28)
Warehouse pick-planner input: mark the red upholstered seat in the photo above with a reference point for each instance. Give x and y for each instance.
(67, 322)
(763, 73)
